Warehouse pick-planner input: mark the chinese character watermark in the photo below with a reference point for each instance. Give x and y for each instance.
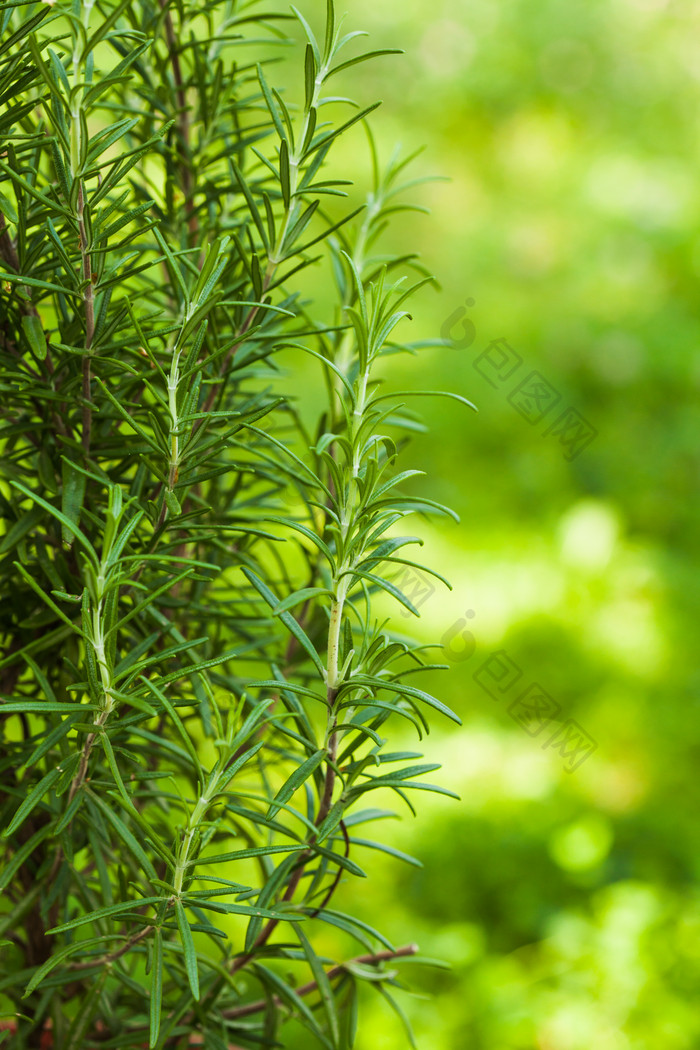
(416, 586)
(500, 677)
(533, 397)
(534, 710)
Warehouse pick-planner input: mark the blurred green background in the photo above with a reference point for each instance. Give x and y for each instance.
(566, 902)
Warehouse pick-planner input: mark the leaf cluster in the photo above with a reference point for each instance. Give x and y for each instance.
(194, 685)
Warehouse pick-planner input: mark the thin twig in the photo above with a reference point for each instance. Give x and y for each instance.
(304, 857)
(305, 989)
(183, 122)
(77, 783)
(8, 253)
(104, 960)
(338, 875)
(329, 782)
(79, 778)
(247, 322)
(89, 306)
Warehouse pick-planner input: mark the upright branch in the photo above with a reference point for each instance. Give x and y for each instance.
(89, 306)
(80, 25)
(182, 122)
(197, 682)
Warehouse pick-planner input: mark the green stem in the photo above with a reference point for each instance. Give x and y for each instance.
(195, 819)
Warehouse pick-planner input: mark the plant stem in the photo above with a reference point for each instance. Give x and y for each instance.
(305, 989)
(76, 159)
(183, 123)
(329, 782)
(78, 781)
(274, 258)
(105, 960)
(247, 322)
(193, 823)
(79, 778)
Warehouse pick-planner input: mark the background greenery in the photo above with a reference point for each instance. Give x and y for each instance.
(567, 904)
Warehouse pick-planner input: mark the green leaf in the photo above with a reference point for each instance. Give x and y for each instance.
(108, 913)
(358, 929)
(50, 205)
(7, 208)
(309, 34)
(285, 184)
(20, 529)
(20, 855)
(48, 601)
(310, 70)
(77, 1034)
(74, 482)
(298, 777)
(385, 585)
(297, 597)
(323, 984)
(129, 840)
(40, 707)
(66, 522)
(33, 799)
(348, 1019)
(188, 949)
(288, 996)
(391, 851)
(179, 727)
(34, 332)
(330, 31)
(156, 1000)
(286, 618)
(33, 282)
(59, 956)
(269, 102)
(399, 1013)
(425, 698)
(228, 908)
(244, 854)
(172, 502)
(325, 139)
(305, 531)
(425, 393)
(363, 58)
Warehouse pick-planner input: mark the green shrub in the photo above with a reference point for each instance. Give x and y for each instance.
(195, 683)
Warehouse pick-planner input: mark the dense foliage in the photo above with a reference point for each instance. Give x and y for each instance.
(196, 686)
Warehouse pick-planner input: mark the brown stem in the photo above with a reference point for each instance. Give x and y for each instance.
(323, 811)
(338, 875)
(329, 783)
(247, 322)
(8, 252)
(324, 807)
(289, 653)
(213, 393)
(77, 783)
(183, 122)
(104, 960)
(305, 856)
(89, 306)
(305, 989)
(79, 778)
(87, 407)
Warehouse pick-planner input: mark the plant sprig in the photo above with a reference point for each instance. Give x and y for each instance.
(194, 687)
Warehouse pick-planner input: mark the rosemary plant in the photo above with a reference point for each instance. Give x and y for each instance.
(194, 684)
